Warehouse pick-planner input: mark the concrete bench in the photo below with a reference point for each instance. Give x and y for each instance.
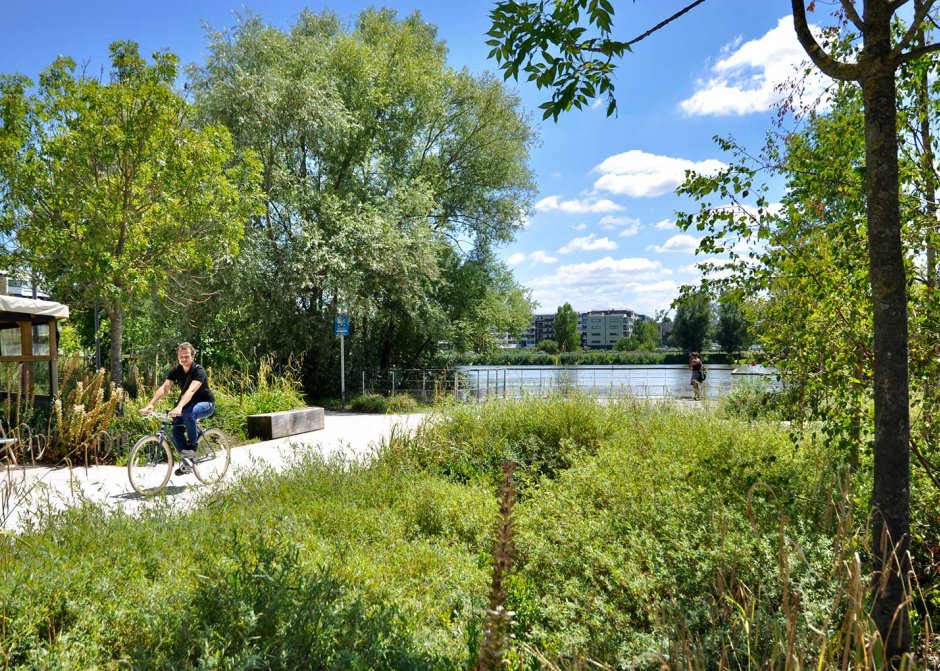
(272, 425)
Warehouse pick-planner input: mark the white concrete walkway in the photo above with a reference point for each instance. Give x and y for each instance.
(26, 493)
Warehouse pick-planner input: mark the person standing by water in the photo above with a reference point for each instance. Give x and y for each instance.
(695, 363)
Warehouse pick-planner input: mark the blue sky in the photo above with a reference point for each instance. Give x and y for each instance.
(601, 234)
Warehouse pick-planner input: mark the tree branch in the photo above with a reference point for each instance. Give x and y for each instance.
(852, 13)
(663, 24)
(921, 9)
(914, 54)
(821, 59)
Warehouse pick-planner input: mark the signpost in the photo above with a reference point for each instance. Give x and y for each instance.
(341, 329)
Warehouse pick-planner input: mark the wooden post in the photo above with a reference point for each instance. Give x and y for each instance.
(53, 361)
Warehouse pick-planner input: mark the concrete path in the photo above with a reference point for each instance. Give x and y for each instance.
(26, 494)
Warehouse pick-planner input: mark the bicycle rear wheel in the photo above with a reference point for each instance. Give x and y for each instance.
(213, 456)
(149, 464)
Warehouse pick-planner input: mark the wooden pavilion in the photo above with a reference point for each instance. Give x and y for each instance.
(29, 339)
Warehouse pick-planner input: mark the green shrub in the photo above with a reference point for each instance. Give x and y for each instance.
(548, 346)
(467, 442)
(339, 567)
(654, 539)
(753, 399)
(369, 403)
(401, 403)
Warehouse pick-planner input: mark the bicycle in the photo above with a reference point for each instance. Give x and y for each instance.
(150, 461)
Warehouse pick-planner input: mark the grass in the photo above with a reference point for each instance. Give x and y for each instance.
(643, 536)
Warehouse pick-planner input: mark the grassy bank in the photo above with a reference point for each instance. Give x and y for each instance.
(643, 535)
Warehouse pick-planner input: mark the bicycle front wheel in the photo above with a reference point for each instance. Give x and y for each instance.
(149, 464)
(213, 456)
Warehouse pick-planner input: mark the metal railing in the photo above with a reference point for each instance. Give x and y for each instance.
(477, 383)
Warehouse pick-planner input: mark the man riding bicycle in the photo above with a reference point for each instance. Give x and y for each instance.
(196, 402)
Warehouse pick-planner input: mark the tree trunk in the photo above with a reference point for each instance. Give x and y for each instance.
(928, 168)
(116, 315)
(891, 491)
(388, 340)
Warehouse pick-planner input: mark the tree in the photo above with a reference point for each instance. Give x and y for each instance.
(524, 35)
(547, 346)
(644, 336)
(733, 329)
(693, 321)
(110, 194)
(567, 331)
(389, 179)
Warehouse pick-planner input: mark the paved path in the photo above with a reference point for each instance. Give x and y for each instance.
(26, 492)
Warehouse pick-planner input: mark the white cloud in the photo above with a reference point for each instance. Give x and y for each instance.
(746, 79)
(538, 256)
(579, 227)
(586, 206)
(681, 243)
(629, 225)
(588, 243)
(635, 283)
(665, 225)
(637, 174)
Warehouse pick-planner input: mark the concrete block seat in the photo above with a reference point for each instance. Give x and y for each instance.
(270, 425)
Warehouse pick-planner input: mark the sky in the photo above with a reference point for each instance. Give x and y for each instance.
(601, 234)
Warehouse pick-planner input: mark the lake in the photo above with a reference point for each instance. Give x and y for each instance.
(657, 382)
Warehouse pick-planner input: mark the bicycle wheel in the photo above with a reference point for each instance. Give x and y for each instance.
(149, 464)
(213, 456)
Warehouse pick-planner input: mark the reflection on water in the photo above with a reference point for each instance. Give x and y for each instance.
(607, 381)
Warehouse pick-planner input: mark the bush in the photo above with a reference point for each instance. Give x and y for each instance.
(752, 399)
(401, 403)
(548, 346)
(369, 403)
(341, 567)
(466, 443)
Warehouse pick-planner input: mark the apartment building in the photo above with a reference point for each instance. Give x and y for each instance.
(599, 329)
(541, 328)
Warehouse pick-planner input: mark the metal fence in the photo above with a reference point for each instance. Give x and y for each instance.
(425, 384)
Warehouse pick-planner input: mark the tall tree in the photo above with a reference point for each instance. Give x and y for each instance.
(732, 329)
(546, 40)
(109, 193)
(644, 335)
(567, 331)
(693, 321)
(389, 178)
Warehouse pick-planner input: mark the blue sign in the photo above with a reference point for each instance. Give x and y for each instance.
(341, 325)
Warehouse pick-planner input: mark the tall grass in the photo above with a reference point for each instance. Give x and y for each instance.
(642, 537)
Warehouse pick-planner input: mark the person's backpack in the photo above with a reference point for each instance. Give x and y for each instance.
(704, 375)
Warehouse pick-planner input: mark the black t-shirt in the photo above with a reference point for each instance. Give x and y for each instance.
(183, 379)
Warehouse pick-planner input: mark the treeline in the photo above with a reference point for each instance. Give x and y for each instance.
(319, 170)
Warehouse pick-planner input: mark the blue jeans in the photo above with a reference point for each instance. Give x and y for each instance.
(185, 425)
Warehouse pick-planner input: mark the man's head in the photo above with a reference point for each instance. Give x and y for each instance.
(185, 353)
